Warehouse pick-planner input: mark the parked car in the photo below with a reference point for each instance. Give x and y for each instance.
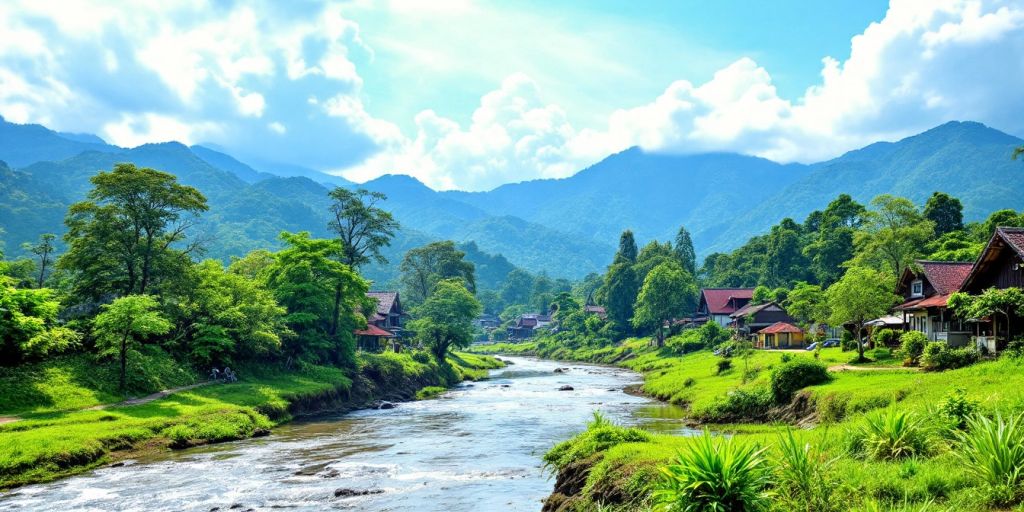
(812, 346)
(831, 342)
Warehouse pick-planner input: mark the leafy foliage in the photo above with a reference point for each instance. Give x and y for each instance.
(796, 374)
(445, 320)
(716, 474)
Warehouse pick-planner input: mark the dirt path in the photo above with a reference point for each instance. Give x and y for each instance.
(852, 368)
(134, 401)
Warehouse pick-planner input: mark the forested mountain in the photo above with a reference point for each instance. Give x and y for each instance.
(565, 227)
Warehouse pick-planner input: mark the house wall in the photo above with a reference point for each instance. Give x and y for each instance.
(1003, 275)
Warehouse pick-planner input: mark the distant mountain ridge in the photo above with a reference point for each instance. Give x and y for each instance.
(566, 227)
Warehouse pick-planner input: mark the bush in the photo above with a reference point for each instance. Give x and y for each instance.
(846, 341)
(716, 473)
(938, 356)
(786, 357)
(724, 365)
(601, 434)
(887, 337)
(993, 451)
(684, 344)
(957, 408)
(891, 435)
(422, 357)
(740, 404)
(794, 375)
(430, 392)
(912, 345)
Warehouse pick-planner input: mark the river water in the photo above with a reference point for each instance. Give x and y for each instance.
(478, 448)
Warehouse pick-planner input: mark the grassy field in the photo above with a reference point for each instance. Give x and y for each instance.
(50, 443)
(623, 475)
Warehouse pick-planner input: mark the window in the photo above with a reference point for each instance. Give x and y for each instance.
(917, 288)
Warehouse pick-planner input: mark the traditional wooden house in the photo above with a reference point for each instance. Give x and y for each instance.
(383, 324)
(716, 304)
(487, 321)
(593, 309)
(1001, 265)
(754, 317)
(780, 335)
(527, 325)
(925, 291)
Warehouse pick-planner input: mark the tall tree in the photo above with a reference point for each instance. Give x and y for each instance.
(362, 227)
(44, 251)
(124, 238)
(945, 211)
(122, 325)
(423, 267)
(806, 303)
(445, 320)
(862, 295)
(621, 288)
(894, 236)
(627, 248)
(668, 292)
(684, 251)
(785, 261)
(652, 255)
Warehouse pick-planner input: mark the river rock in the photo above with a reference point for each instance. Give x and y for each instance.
(386, 405)
(235, 506)
(506, 385)
(349, 493)
(559, 370)
(566, 388)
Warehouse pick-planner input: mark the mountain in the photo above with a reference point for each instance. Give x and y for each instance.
(967, 160)
(652, 194)
(23, 144)
(228, 163)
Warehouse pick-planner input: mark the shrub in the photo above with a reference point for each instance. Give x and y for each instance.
(912, 345)
(797, 374)
(958, 408)
(891, 435)
(684, 344)
(740, 404)
(430, 392)
(601, 434)
(716, 473)
(690, 381)
(888, 337)
(846, 341)
(938, 356)
(804, 477)
(422, 357)
(993, 451)
(724, 365)
(786, 357)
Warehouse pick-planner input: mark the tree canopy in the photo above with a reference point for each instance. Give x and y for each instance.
(445, 319)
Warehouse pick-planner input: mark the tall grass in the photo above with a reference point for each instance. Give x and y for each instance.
(804, 477)
(891, 435)
(993, 452)
(716, 474)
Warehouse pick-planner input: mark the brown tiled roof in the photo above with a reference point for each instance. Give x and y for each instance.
(719, 299)
(751, 309)
(946, 276)
(385, 300)
(1015, 238)
(778, 327)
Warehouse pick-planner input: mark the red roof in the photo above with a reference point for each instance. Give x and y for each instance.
(946, 276)
(720, 301)
(1015, 238)
(778, 327)
(373, 330)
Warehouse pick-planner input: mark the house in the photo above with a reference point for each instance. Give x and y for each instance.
(1001, 265)
(780, 335)
(593, 309)
(384, 324)
(487, 321)
(925, 291)
(754, 317)
(716, 304)
(527, 325)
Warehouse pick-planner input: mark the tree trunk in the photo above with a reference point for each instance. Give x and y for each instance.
(661, 335)
(337, 310)
(860, 346)
(124, 360)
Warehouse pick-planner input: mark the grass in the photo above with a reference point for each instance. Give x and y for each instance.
(915, 460)
(50, 443)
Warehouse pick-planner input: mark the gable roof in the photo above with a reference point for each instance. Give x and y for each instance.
(946, 276)
(1003, 237)
(779, 327)
(752, 309)
(385, 301)
(373, 330)
(720, 300)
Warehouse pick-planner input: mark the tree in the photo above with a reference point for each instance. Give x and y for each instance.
(517, 287)
(785, 261)
(44, 250)
(621, 288)
(305, 278)
(945, 211)
(1004, 218)
(423, 267)
(627, 248)
(445, 319)
(993, 301)
(226, 314)
(123, 323)
(861, 295)
(684, 251)
(894, 236)
(652, 255)
(806, 303)
(361, 226)
(124, 237)
(28, 324)
(668, 292)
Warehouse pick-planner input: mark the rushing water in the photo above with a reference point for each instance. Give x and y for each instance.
(478, 448)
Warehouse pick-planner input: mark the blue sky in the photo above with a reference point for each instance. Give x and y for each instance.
(472, 94)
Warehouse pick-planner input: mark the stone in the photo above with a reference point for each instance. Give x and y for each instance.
(349, 493)
(386, 405)
(566, 388)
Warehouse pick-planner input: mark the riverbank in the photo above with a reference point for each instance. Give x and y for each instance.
(58, 437)
(622, 472)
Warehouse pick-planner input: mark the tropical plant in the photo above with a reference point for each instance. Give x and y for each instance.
(958, 408)
(715, 474)
(804, 476)
(891, 435)
(993, 452)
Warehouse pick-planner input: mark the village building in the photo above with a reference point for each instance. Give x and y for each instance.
(593, 309)
(1000, 266)
(752, 317)
(925, 291)
(780, 335)
(526, 326)
(716, 304)
(384, 325)
(487, 322)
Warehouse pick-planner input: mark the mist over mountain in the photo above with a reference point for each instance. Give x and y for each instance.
(565, 227)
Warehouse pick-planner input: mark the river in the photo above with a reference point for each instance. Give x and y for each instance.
(477, 448)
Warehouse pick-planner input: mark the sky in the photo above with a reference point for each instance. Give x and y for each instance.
(473, 94)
